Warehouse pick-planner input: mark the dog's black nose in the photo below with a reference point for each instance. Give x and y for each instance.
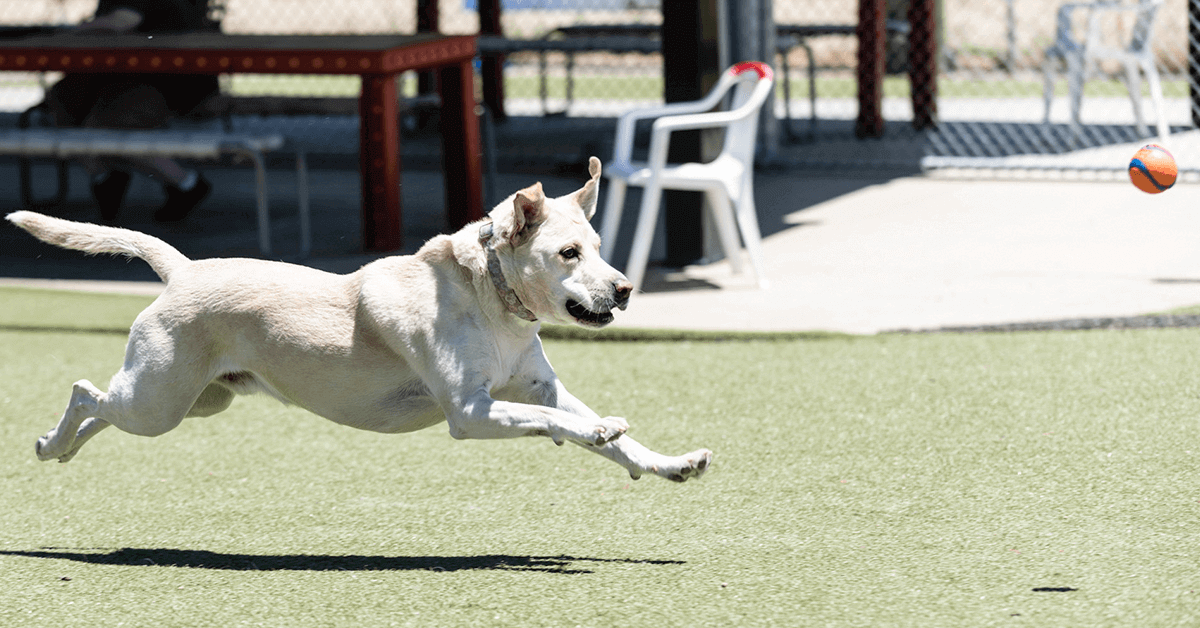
(622, 289)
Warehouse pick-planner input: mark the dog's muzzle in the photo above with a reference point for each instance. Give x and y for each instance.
(603, 314)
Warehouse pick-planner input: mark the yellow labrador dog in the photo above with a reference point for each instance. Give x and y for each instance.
(447, 334)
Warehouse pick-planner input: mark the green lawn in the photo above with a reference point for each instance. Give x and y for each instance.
(912, 480)
(650, 87)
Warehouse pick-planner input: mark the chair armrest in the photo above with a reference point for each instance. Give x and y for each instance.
(1099, 10)
(623, 145)
(1065, 10)
(1063, 21)
(692, 115)
(700, 121)
(660, 137)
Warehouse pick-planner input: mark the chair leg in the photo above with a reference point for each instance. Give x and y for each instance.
(570, 82)
(812, 91)
(1047, 86)
(1156, 96)
(614, 204)
(264, 212)
(787, 93)
(1076, 68)
(543, 90)
(1133, 83)
(726, 223)
(302, 201)
(643, 237)
(747, 217)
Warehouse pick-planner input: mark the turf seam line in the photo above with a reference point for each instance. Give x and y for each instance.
(51, 329)
(1071, 324)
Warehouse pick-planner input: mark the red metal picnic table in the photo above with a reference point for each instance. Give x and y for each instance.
(377, 59)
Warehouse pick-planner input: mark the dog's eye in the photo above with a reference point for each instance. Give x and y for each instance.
(569, 253)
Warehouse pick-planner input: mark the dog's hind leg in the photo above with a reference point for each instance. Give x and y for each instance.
(86, 402)
(89, 429)
(149, 396)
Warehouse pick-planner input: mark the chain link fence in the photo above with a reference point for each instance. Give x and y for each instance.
(999, 55)
(993, 58)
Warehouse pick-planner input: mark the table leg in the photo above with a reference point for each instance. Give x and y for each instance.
(461, 148)
(872, 38)
(379, 161)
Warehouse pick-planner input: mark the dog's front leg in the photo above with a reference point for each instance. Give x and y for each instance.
(635, 457)
(638, 459)
(479, 416)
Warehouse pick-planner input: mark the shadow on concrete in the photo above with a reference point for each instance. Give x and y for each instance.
(553, 150)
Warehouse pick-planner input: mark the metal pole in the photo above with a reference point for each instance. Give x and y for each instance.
(1194, 59)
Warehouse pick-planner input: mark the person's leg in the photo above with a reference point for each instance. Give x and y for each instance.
(71, 102)
(140, 106)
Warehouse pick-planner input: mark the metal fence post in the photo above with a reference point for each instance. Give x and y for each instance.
(872, 50)
(922, 62)
(1194, 59)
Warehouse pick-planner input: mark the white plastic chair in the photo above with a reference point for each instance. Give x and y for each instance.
(1081, 58)
(727, 181)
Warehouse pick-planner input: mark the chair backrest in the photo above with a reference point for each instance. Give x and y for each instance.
(751, 82)
(1143, 26)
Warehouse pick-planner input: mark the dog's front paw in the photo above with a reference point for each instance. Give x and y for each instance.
(687, 466)
(608, 429)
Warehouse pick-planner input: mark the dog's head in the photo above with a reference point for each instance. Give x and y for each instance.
(550, 255)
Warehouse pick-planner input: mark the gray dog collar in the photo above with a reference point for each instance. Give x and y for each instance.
(507, 295)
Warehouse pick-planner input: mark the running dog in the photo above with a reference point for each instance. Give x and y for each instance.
(449, 333)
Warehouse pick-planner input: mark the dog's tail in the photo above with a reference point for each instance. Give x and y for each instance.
(93, 239)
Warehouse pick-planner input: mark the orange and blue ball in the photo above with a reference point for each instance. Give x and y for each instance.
(1152, 169)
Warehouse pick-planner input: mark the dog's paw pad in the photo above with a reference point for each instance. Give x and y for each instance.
(603, 437)
(692, 466)
(611, 429)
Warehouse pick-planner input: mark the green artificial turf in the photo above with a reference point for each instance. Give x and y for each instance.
(33, 309)
(1187, 310)
(898, 480)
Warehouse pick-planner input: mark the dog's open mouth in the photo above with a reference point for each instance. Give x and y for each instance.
(586, 316)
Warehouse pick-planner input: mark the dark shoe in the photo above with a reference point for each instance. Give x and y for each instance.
(180, 203)
(110, 193)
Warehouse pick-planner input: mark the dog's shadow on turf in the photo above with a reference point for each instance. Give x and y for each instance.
(203, 559)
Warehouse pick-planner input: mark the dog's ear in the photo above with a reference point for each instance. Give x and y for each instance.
(586, 196)
(529, 205)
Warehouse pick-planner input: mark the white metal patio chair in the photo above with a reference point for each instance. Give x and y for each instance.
(728, 180)
(1081, 58)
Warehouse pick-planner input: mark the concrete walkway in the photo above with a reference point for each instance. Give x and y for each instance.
(843, 254)
(921, 253)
